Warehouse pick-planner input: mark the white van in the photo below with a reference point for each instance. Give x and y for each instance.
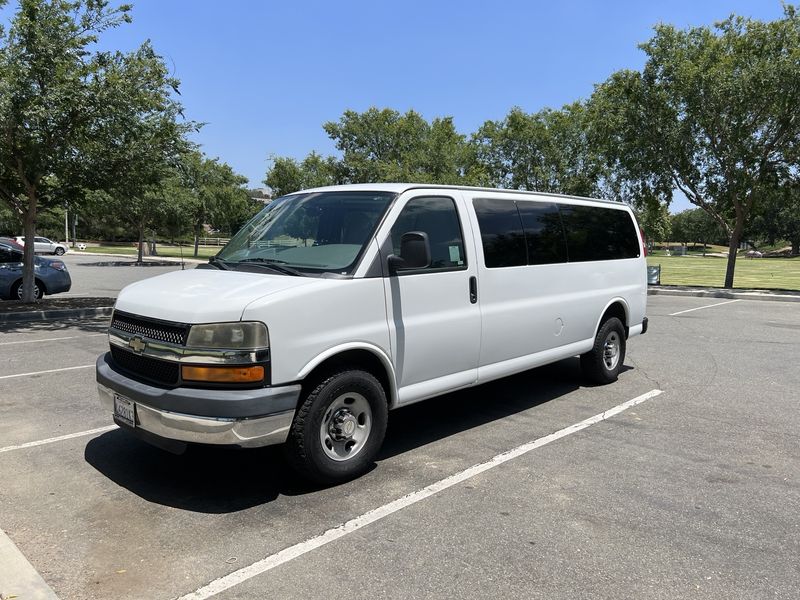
(335, 305)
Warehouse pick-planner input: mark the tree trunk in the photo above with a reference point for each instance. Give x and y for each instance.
(733, 247)
(28, 269)
(197, 231)
(140, 259)
(795, 247)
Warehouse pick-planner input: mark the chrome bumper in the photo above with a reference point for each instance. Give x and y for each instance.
(247, 433)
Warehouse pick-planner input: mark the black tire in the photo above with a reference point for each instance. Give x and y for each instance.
(59, 251)
(318, 439)
(604, 362)
(38, 290)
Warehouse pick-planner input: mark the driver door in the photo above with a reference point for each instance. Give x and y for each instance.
(433, 316)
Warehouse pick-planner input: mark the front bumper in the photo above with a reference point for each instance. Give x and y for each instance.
(245, 418)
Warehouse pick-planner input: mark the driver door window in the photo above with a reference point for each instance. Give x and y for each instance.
(436, 216)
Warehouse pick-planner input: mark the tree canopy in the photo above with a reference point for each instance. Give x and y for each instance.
(714, 113)
(72, 117)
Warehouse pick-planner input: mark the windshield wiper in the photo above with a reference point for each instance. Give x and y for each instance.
(219, 263)
(274, 264)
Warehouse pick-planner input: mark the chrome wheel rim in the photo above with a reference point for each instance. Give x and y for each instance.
(36, 292)
(611, 349)
(346, 426)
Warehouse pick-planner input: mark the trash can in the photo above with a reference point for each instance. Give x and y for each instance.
(654, 275)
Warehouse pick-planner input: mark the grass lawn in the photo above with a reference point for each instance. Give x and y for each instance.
(173, 251)
(763, 273)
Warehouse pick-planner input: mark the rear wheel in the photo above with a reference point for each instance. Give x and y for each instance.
(339, 427)
(603, 363)
(37, 291)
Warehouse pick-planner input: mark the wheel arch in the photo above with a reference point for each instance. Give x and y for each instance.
(616, 307)
(371, 358)
(17, 282)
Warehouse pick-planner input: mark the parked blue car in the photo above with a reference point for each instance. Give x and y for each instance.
(51, 275)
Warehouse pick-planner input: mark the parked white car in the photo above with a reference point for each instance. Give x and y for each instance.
(42, 245)
(335, 305)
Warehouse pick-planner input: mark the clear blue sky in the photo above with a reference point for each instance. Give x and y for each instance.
(265, 75)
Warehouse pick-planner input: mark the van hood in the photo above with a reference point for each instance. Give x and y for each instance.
(202, 295)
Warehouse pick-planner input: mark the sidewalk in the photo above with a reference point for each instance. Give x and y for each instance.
(738, 294)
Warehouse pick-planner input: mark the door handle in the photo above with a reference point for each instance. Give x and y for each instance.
(473, 289)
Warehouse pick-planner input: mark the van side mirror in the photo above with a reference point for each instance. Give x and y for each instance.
(415, 252)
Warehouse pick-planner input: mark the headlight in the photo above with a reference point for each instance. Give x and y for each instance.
(249, 335)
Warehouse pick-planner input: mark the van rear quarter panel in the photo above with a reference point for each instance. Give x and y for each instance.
(307, 322)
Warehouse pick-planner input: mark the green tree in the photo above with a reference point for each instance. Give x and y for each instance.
(655, 221)
(714, 113)
(779, 217)
(546, 151)
(694, 225)
(215, 194)
(73, 118)
(385, 145)
(287, 175)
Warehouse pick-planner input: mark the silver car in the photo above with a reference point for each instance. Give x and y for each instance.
(51, 275)
(42, 245)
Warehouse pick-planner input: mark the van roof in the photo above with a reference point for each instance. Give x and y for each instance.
(399, 188)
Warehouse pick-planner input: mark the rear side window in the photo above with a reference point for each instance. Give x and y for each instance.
(595, 233)
(438, 217)
(544, 235)
(502, 235)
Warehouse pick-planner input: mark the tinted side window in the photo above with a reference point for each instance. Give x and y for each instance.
(439, 219)
(501, 233)
(595, 233)
(544, 235)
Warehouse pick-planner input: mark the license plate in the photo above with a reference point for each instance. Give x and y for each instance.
(125, 410)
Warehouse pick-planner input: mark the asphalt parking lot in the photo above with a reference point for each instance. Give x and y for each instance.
(104, 275)
(691, 493)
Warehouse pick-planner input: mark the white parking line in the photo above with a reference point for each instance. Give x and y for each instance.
(292, 552)
(60, 438)
(53, 339)
(47, 371)
(680, 312)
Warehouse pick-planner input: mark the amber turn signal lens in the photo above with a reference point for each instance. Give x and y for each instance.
(223, 374)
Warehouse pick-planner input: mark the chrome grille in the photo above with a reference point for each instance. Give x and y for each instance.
(172, 333)
(144, 367)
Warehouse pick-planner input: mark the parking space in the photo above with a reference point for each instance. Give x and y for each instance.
(693, 492)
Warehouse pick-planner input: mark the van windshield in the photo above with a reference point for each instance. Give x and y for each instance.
(320, 232)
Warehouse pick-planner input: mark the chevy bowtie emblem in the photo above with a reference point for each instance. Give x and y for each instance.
(137, 344)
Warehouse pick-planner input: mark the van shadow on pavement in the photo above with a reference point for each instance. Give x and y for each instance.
(223, 480)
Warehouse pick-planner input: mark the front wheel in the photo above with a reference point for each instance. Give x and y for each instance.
(603, 362)
(59, 251)
(339, 427)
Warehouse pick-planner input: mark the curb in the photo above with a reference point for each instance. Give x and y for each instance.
(18, 578)
(46, 315)
(149, 258)
(718, 293)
